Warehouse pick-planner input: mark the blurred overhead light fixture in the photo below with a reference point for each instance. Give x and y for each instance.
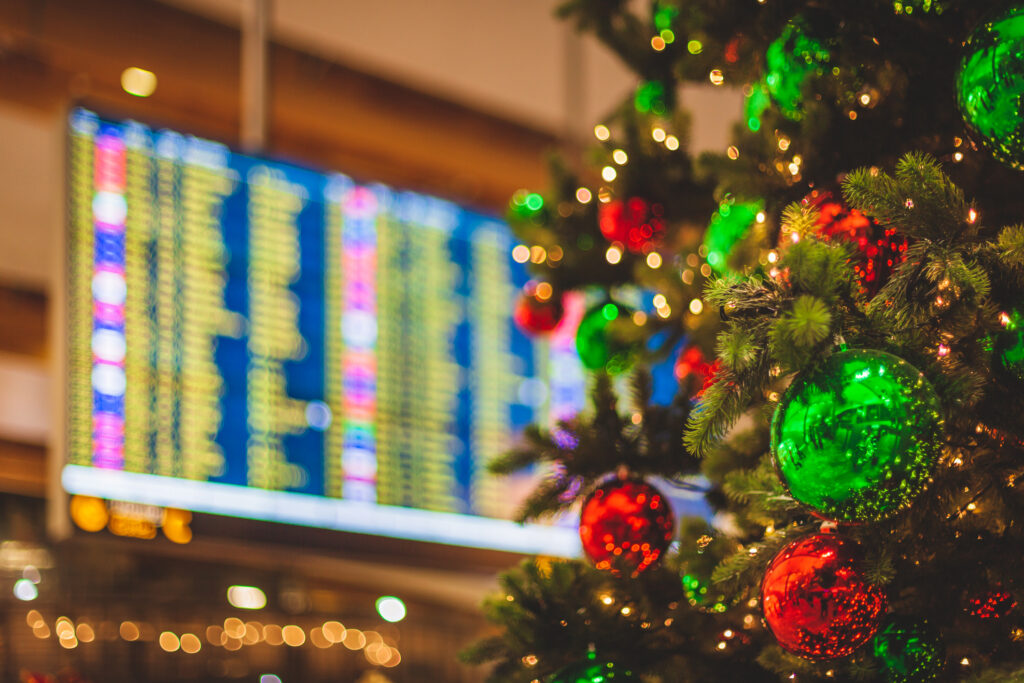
(138, 82)
(247, 597)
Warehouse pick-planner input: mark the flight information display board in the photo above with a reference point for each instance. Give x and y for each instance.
(256, 339)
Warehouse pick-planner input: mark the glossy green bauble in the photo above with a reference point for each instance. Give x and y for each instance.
(909, 652)
(1008, 350)
(857, 437)
(990, 86)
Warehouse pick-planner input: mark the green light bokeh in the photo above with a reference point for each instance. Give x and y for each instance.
(728, 225)
(789, 61)
(857, 438)
(599, 348)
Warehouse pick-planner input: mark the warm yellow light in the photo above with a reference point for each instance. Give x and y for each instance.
(696, 306)
(85, 633)
(90, 514)
(583, 195)
(761, 217)
(613, 255)
(319, 639)
(664, 312)
(176, 525)
(733, 152)
(601, 132)
(654, 260)
(773, 256)
(608, 173)
(639, 318)
(543, 291)
(619, 157)
(273, 635)
(660, 300)
(129, 631)
(293, 635)
(169, 642)
(190, 643)
(658, 43)
(138, 82)
(672, 142)
(521, 253)
(607, 599)
(658, 134)
(354, 639)
(234, 628)
(716, 77)
(334, 631)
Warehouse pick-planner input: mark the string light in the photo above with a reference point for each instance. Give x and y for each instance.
(654, 260)
(613, 255)
(672, 142)
(601, 132)
(583, 195)
(716, 77)
(658, 134)
(608, 173)
(619, 157)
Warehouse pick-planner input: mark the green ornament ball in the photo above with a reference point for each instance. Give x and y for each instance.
(606, 338)
(856, 438)
(990, 85)
(1008, 350)
(909, 652)
(592, 671)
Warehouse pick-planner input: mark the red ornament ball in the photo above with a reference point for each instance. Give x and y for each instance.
(878, 250)
(693, 367)
(626, 524)
(817, 602)
(994, 604)
(535, 316)
(635, 223)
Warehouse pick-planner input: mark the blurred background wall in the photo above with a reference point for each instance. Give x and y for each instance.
(459, 98)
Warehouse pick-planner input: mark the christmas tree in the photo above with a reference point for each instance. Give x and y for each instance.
(840, 295)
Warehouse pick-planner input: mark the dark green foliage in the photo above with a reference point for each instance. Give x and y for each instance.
(595, 445)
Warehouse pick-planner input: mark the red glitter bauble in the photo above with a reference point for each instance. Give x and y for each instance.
(991, 605)
(879, 250)
(817, 602)
(535, 317)
(635, 223)
(626, 524)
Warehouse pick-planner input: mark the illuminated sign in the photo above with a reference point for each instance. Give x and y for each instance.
(255, 339)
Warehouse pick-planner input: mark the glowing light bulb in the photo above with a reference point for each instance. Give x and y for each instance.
(390, 608)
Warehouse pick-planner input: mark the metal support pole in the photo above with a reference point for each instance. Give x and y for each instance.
(255, 26)
(574, 89)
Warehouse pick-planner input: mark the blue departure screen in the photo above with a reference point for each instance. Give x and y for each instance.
(256, 339)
